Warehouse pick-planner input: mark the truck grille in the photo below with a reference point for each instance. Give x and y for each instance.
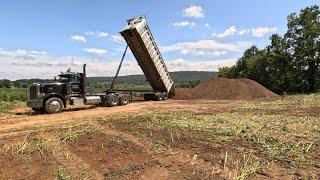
(34, 89)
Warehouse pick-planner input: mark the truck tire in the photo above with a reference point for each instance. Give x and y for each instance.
(123, 100)
(158, 97)
(148, 97)
(38, 110)
(165, 96)
(112, 100)
(53, 105)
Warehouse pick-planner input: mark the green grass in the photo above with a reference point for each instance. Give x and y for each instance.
(12, 98)
(25, 147)
(10, 95)
(247, 166)
(74, 132)
(62, 174)
(5, 106)
(286, 102)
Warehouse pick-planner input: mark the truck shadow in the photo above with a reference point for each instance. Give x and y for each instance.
(33, 113)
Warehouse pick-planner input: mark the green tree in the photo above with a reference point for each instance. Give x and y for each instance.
(303, 36)
(6, 83)
(228, 72)
(245, 63)
(17, 84)
(289, 63)
(279, 64)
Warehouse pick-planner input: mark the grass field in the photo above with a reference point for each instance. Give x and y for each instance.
(196, 139)
(12, 98)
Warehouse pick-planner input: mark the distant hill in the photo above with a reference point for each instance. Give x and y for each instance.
(181, 79)
(178, 77)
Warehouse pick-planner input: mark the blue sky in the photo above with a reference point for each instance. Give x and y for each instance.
(40, 37)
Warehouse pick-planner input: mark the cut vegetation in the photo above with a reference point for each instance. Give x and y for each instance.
(193, 139)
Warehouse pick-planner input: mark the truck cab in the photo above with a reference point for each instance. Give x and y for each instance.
(68, 84)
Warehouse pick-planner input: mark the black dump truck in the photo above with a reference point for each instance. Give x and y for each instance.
(73, 88)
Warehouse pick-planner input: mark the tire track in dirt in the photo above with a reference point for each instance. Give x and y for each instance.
(74, 165)
(167, 165)
(111, 132)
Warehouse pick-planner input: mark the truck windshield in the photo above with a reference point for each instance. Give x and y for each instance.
(64, 79)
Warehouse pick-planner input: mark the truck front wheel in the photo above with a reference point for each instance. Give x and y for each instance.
(53, 105)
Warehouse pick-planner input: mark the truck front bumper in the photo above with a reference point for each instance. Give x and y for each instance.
(35, 103)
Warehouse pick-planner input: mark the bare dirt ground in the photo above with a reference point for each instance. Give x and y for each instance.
(173, 139)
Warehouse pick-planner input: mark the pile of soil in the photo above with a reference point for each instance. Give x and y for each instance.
(222, 88)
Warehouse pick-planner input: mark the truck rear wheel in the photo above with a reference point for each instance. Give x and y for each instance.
(148, 97)
(158, 97)
(112, 100)
(165, 96)
(53, 105)
(123, 100)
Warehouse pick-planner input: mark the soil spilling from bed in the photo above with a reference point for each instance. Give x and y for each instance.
(222, 88)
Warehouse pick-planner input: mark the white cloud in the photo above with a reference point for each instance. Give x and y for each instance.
(78, 38)
(103, 34)
(89, 33)
(38, 52)
(207, 25)
(99, 34)
(42, 68)
(194, 12)
(96, 51)
(243, 32)
(262, 31)
(255, 32)
(184, 24)
(47, 66)
(195, 65)
(118, 39)
(230, 31)
(205, 47)
(21, 53)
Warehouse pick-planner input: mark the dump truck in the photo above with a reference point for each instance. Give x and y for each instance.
(72, 88)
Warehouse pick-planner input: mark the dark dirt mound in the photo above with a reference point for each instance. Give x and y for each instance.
(222, 88)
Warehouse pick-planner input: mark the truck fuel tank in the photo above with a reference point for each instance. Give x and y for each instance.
(92, 100)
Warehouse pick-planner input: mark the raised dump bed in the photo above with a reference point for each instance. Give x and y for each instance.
(140, 40)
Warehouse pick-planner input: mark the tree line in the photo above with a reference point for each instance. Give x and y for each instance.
(181, 79)
(290, 64)
(21, 83)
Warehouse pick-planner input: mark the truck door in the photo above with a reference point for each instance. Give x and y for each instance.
(75, 85)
